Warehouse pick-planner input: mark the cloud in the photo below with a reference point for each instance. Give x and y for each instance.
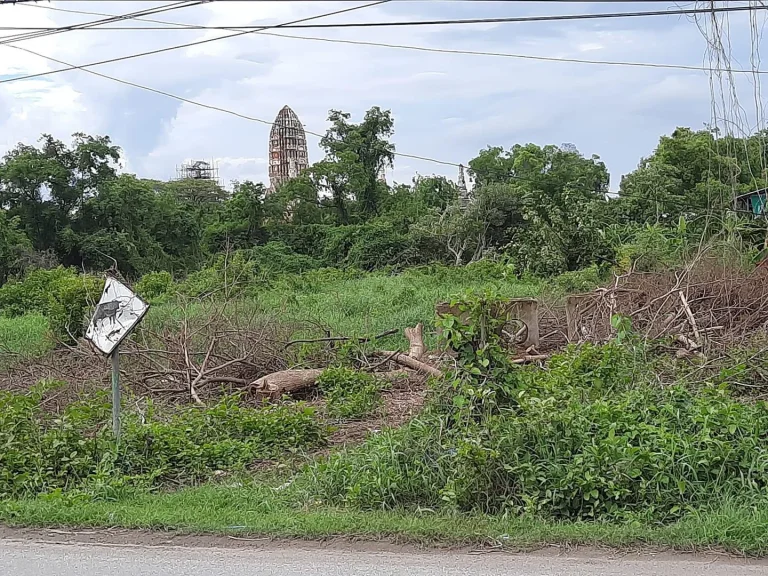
(446, 106)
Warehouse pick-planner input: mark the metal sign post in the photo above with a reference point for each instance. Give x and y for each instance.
(116, 392)
(119, 311)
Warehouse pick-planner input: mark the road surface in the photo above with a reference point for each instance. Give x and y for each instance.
(38, 559)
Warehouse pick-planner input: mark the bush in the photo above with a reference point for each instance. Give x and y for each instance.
(580, 280)
(60, 294)
(237, 272)
(154, 285)
(277, 259)
(349, 393)
(43, 452)
(593, 437)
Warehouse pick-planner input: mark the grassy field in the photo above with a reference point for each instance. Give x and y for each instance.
(26, 336)
(364, 305)
(262, 509)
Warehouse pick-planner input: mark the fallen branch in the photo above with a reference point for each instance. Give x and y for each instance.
(408, 362)
(341, 338)
(689, 314)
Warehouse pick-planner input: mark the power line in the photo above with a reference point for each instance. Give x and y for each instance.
(499, 20)
(32, 2)
(180, 46)
(514, 56)
(442, 50)
(299, 24)
(109, 20)
(209, 106)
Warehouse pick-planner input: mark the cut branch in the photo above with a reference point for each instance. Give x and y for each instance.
(341, 338)
(412, 363)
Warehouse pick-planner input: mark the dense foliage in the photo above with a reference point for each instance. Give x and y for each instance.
(593, 436)
(44, 452)
(349, 393)
(543, 209)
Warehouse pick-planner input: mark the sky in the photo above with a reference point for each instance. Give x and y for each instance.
(445, 106)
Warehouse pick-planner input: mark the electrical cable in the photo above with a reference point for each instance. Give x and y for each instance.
(298, 24)
(465, 21)
(209, 106)
(110, 19)
(439, 50)
(213, 107)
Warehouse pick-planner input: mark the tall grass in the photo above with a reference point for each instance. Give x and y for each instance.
(26, 336)
(359, 306)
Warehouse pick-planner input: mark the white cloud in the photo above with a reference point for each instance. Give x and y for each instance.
(445, 106)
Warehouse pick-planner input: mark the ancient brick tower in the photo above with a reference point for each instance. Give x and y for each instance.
(287, 148)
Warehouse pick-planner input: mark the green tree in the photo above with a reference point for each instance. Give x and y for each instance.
(240, 222)
(14, 247)
(545, 205)
(362, 150)
(44, 186)
(296, 201)
(340, 177)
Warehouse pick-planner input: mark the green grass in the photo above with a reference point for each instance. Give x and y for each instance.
(352, 307)
(263, 510)
(25, 335)
(361, 306)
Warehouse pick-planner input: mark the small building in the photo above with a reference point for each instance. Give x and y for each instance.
(752, 202)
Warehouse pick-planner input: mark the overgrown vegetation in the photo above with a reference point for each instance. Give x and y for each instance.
(614, 433)
(350, 393)
(45, 452)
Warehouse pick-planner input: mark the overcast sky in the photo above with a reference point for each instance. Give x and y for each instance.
(445, 106)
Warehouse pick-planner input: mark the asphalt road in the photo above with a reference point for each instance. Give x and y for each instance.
(43, 559)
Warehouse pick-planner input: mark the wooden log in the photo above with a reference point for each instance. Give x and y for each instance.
(415, 336)
(412, 363)
(530, 358)
(278, 383)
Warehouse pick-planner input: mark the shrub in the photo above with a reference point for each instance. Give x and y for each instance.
(594, 436)
(277, 259)
(60, 294)
(580, 280)
(349, 393)
(154, 285)
(43, 452)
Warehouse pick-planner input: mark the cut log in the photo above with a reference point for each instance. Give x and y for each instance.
(416, 338)
(278, 383)
(412, 363)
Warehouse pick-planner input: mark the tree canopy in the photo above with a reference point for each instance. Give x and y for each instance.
(544, 209)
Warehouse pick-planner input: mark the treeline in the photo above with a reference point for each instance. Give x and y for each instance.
(544, 210)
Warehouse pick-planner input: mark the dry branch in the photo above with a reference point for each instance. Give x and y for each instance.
(389, 332)
(412, 363)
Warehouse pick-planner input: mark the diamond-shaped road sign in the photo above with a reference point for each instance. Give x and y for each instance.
(118, 312)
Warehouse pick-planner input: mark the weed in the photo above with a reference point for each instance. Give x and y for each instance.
(350, 394)
(75, 450)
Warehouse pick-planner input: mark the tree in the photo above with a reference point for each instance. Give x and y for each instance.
(364, 150)
(240, 222)
(295, 201)
(120, 223)
(45, 186)
(339, 177)
(14, 246)
(549, 204)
